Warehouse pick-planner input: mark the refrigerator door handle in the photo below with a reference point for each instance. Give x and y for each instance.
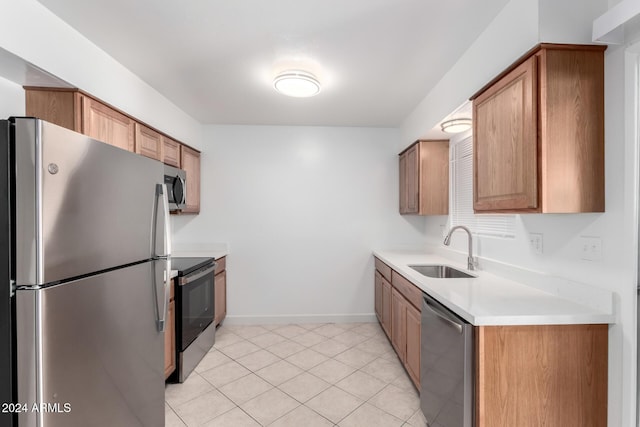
(162, 191)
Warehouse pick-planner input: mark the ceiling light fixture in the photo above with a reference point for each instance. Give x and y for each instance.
(456, 125)
(299, 84)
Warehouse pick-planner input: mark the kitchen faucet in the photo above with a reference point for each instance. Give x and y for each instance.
(471, 264)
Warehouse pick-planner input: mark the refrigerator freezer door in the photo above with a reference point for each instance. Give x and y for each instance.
(89, 351)
(82, 205)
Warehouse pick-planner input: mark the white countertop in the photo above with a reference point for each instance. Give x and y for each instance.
(216, 254)
(492, 300)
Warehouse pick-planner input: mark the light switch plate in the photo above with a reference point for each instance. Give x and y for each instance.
(590, 248)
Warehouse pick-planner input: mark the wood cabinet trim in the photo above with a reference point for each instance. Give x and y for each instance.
(383, 268)
(221, 265)
(532, 51)
(410, 291)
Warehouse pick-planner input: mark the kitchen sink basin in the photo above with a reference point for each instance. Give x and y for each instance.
(440, 271)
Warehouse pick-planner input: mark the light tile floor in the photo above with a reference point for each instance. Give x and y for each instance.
(343, 374)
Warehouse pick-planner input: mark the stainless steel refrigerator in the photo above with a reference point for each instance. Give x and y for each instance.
(86, 258)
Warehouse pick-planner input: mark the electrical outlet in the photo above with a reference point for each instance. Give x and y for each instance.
(535, 240)
(443, 231)
(590, 248)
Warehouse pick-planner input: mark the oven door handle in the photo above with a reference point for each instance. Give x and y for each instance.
(190, 278)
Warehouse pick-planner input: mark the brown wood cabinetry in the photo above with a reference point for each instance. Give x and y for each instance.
(386, 306)
(190, 162)
(424, 178)
(553, 375)
(412, 362)
(149, 142)
(78, 111)
(171, 152)
(220, 291)
(170, 336)
(106, 124)
(399, 323)
(399, 316)
(539, 133)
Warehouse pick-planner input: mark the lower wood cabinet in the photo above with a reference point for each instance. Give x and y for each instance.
(412, 361)
(220, 291)
(534, 375)
(397, 309)
(399, 323)
(170, 336)
(542, 375)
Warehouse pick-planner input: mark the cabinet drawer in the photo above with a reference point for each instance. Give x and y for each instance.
(407, 289)
(384, 269)
(221, 265)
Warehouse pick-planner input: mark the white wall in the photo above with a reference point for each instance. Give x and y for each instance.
(11, 99)
(31, 32)
(302, 208)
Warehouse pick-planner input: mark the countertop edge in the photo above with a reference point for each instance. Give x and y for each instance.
(576, 313)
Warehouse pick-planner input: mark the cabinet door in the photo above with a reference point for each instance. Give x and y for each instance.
(107, 125)
(505, 119)
(220, 291)
(190, 160)
(412, 180)
(171, 152)
(378, 296)
(148, 142)
(413, 344)
(399, 324)
(403, 183)
(170, 340)
(386, 307)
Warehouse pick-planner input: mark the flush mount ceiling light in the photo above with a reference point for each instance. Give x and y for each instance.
(299, 84)
(456, 125)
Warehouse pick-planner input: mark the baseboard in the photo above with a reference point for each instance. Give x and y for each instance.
(299, 318)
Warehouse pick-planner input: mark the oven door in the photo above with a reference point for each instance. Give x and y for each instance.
(196, 304)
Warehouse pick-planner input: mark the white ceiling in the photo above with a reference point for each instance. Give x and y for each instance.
(215, 59)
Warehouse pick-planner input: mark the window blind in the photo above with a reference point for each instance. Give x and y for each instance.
(461, 196)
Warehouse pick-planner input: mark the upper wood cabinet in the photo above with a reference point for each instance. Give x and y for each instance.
(397, 304)
(538, 138)
(171, 152)
(190, 163)
(148, 142)
(106, 124)
(76, 111)
(424, 178)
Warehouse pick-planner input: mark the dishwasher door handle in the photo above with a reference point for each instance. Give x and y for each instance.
(443, 315)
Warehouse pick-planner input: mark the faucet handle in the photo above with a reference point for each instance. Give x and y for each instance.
(472, 263)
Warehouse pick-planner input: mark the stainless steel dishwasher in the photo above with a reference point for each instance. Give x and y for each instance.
(446, 367)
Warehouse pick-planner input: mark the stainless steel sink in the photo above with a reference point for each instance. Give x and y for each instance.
(440, 271)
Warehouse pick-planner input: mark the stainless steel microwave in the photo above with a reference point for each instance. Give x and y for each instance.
(176, 182)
